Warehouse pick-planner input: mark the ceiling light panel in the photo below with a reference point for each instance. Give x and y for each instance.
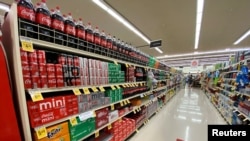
(245, 35)
(199, 13)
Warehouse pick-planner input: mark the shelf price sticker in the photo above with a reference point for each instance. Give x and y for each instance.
(127, 65)
(73, 121)
(134, 111)
(112, 107)
(41, 132)
(86, 91)
(124, 86)
(233, 88)
(36, 96)
(137, 131)
(96, 133)
(121, 103)
(109, 126)
(102, 89)
(94, 89)
(77, 91)
(125, 102)
(116, 62)
(128, 101)
(27, 46)
(117, 86)
(141, 84)
(112, 87)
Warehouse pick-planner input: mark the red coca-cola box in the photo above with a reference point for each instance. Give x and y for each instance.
(32, 57)
(24, 55)
(25, 68)
(102, 113)
(50, 69)
(42, 69)
(52, 82)
(41, 56)
(34, 70)
(35, 82)
(101, 121)
(62, 59)
(27, 82)
(43, 82)
(58, 70)
(59, 81)
(76, 61)
(78, 81)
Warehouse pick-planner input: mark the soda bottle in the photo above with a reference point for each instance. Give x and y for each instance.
(89, 33)
(118, 44)
(69, 25)
(57, 23)
(26, 12)
(114, 44)
(97, 39)
(80, 29)
(103, 39)
(109, 41)
(43, 14)
(44, 20)
(57, 19)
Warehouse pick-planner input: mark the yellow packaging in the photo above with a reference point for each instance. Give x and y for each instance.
(65, 137)
(54, 132)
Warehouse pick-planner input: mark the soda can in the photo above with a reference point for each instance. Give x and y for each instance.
(58, 70)
(62, 59)
(42, 69)
(69, 60)
(50, 69)
(35, 83)
(59, 81)
(43, 82)
(24, 55)
(34, 70)
(32, 57)
(41, 56)
(27, 82)
(25, 68)
(76, 61)
(51, 82)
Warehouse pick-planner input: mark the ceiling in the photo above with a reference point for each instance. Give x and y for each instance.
(173, 21)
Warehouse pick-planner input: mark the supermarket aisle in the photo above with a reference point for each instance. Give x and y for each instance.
(186, 117)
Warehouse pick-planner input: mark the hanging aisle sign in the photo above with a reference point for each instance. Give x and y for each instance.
(194, 63)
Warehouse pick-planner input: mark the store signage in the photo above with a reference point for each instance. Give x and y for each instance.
(156, 43)
(194, 63)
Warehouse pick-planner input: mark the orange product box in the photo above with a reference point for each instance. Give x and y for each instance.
(136, 102)
(54, 132)
(65, 137)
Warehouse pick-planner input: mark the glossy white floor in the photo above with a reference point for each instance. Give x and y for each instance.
(186, 117)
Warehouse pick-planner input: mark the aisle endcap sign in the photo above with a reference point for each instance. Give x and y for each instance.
(156, 43)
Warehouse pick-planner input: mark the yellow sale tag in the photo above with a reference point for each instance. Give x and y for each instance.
(128, 101)
(96, 134)
(124, 86)
(112, 107)
(126, 65)
(94, 89)
(121, 103)
(76, 91)
(127, 85)
(118, 87)
(137, 131)
(27, 46)
(116, 62)
(141, 84)
(94, 114)
(109, 126)
(112, 87)
(36, 96)
(102, 89)
(41, 132)
(120, 119)
(134, 111)
(86, 91)
(125, 102)
(73, 121)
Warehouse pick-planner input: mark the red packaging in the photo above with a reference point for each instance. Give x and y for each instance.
(35, 82)
(27, 82)
(24, 55)
(73, 81)
(100, 122)
(70, 60)
(76, 61)
(25, 68)
(51, 82)
(58, 70)
(41, 56)
(50, 69)
(102, 113)
(59, 81)
(78, 82)
(34, 71)
(43, 18)
(43, 82)
(62, 59)
(42, 69)
(32, 57)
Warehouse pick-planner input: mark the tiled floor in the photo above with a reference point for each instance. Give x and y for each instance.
(186, 117)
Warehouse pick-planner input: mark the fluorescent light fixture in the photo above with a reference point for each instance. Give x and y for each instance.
(159, 50)
(227, 49)
(119, 18)
(4, 7)
(196, 52)
(202, 53)
(196, 57)
(242, 37)
(182, 117)
(199, 12)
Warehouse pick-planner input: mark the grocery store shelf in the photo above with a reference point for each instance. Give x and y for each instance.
(241, 113)
(231, 93)
(48, 90)
(228, 85)
(229, 79)
(61, 48)
(228, 122)
(238, 93)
